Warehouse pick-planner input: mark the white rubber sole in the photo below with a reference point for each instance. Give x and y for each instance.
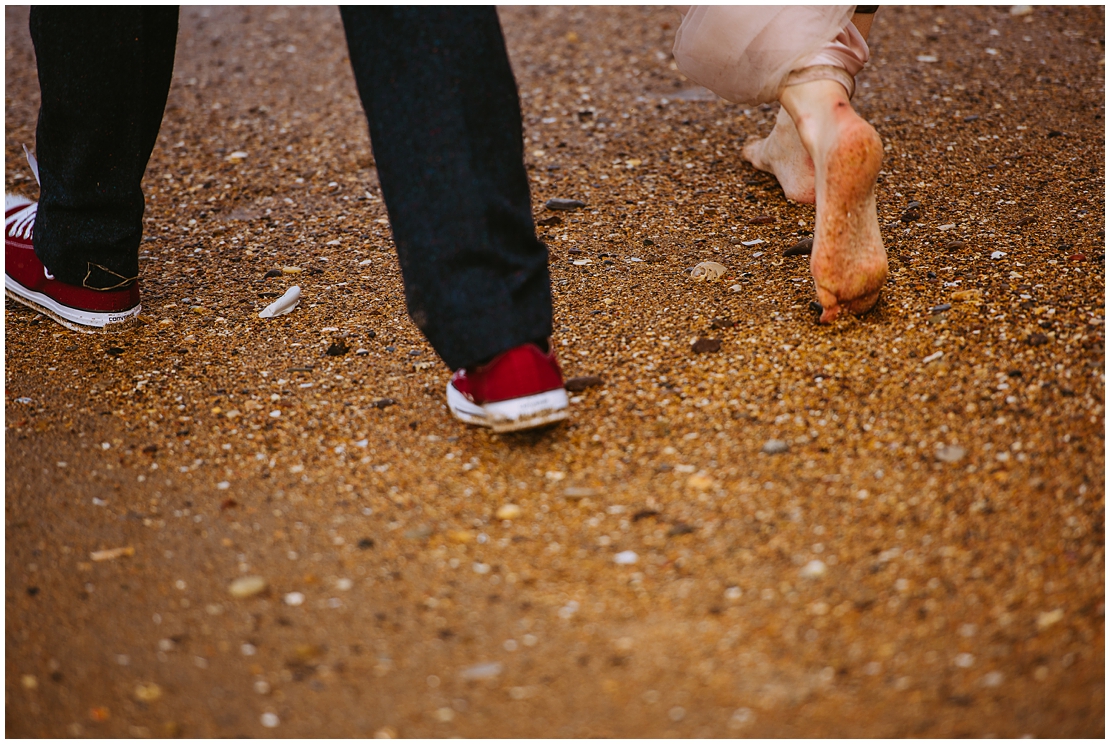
(510, 415)
(83, 321)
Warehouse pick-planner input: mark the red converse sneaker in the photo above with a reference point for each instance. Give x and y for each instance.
(519, 389)
(28, 282)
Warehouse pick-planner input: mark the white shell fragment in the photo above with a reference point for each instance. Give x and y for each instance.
(813, 570)
(487, 670)
(708, 271)
(283, 304)
(247, 586)
(757, 241)
(625, 558)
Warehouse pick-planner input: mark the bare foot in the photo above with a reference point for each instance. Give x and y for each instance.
(782, 154)
(848, 261)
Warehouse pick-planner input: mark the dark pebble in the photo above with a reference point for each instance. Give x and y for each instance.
(1077, 257)
(1055, 133)
(32, 591)
(549, 221)
(930, 275)
(649, 241)
(564, 205)
(115, 351)
(306, 368)
(150, 449)
(644, 514)
(415, 352)
(1025, 221)
(912, 212)
(664, 468)
(391, 348)
(365, 543)
(578, 384)
(719, 323)
(971, 118)
(815, 306)
(680, 529)
(271, 273)
(383, 403)
(1038, 339)
(954, 245)
(940, 308)
(575, 251)
(338, 348)
(803, 247)
(1014, 373)
(371, 334)
(763, 219)
(706, 346)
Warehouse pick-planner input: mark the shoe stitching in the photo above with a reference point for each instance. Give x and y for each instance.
(85, 281)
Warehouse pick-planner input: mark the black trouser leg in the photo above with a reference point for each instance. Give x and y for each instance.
(445, 124)
(104, 73)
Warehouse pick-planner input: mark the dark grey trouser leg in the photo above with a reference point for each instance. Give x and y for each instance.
(104, 74)
(445, 124)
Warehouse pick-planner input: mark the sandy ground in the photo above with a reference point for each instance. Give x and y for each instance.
(925, 558)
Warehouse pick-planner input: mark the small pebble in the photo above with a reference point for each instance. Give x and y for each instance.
(706, 346)
(997, 255)
(386, 732)
(964, 660)
(29, 682)
(733, 593)
(1047, 619)
(708, 271)
(485, 670)
(775, 447)
(576, 493)
(294, 599)
(951, 453)
(741, 717)
(625, 558)
(344, 584)
(676, 713)
(269, 720)
(815, 569)
(247, 586)
(148, 693)
(940, 308)
(338, 348)
(509, 511)
(803, 247)
(112, 554)
(564, 204)
(444, 715)
(992, 679)
(272, 273)
(578, 384)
